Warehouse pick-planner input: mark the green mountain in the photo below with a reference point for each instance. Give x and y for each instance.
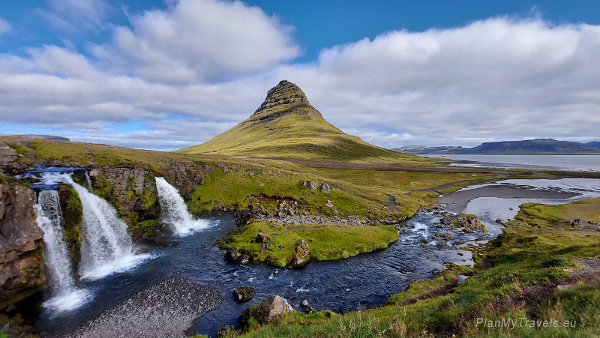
(286, 125)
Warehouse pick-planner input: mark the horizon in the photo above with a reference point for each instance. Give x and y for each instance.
(173, 74)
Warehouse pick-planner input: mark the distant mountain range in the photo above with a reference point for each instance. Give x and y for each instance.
(526, 147)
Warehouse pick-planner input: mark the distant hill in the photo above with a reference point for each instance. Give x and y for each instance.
(426, 149)
(286, 125)
(593, 144)
(526, 147)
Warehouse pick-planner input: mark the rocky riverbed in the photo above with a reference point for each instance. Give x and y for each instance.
(166, 309)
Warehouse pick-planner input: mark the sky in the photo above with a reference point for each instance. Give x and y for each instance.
(170, 74)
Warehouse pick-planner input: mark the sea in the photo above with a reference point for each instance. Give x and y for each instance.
(551, 162)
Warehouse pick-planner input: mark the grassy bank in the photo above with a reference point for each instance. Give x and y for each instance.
(537, 274)
(326, 241)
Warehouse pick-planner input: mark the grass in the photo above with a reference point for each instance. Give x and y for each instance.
(326, 241)
(527, 265)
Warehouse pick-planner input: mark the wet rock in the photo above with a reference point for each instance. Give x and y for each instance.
(167, 228)
(232, 254)
(302, 254)
(243, 258)
(225, 330)
(304, 303)
(243, 294)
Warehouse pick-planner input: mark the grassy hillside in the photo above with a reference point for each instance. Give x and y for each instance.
(536, 274)
(287, 125)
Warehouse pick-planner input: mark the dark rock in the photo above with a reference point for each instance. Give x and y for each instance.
(243, 258)
(167, 228)
(309, 310)
(243, 294)
(261, 237)
(225, 330)
(232, 254)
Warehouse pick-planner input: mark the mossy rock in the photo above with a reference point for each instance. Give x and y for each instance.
(72, 210)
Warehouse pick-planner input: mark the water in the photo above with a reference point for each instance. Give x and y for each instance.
(173, 209)
(552, 162)
(64, 295)
(346, 285)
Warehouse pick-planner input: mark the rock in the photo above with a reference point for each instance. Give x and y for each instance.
(225, 171)
(563, 287)
(312, 185)
(325, 188)
(261, 237)
(309, 310)
(250, 173)
(304, 303)
(271, 308)
(499, 220)
(243, 294)
(329, 204)
(167, 228)
(232, 254)
(243, 258)
(225, 330)
(302, 254)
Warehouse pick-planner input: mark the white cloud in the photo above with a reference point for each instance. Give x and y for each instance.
(194, 40)
(496, 78)
(5, 26)
(490, 80)
(73, 15)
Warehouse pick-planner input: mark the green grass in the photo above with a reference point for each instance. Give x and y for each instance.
(327, 242)
(18, 148)
(524, 260)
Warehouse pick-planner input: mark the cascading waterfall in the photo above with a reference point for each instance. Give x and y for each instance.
(88, 182)
(173, 209)
(106, 247)
(64, 295)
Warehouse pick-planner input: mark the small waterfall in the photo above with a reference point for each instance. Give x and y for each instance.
(62, 285)
(106, 247)
(173, 209)
(88, 182)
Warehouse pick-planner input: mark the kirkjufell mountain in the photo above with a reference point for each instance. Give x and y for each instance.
(287, 125)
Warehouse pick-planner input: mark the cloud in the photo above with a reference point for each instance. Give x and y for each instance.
(5, 26)
(195, 40)
(73, 15)
(495, 78)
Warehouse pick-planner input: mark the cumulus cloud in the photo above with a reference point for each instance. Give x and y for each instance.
(195, 40)
(5, 26)
(496, 78)
(73, 15)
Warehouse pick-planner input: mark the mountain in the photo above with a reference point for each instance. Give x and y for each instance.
(593, 144)
(526, 147)
(425, 149)
(286, 125)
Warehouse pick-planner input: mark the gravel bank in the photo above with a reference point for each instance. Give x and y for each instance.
(457, 201)
(166, 309)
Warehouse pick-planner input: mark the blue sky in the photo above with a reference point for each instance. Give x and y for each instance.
(169, 74)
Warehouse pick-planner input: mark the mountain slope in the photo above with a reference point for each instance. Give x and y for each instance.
(525, 147)
(286, 125)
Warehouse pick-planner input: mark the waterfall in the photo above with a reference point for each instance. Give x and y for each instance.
(173, 209)
(62, 285)
(88, 182)
(106, 247)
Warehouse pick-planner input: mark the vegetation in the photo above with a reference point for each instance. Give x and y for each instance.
(326, 241)
(517, 277)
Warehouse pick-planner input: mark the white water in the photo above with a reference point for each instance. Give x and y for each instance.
(106, 247)
(173, 209)
(65, 296)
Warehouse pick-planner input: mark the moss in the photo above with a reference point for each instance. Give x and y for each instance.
(72, 210)
(327, 242)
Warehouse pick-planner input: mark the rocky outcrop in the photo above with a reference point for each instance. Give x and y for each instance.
(271, 308)
(468, 223)
(243, 294)
(325, 188)
(72, 211)
(302, 255)
(20, 241)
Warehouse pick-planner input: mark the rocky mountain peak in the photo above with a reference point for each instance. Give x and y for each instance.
(285, 94)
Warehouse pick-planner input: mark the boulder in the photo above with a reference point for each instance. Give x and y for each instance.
(232, 254)
(261, 237)
(243, 294)
(313, 185)
(271, 308)
(226, 330)
(325, 188)
(302, 254)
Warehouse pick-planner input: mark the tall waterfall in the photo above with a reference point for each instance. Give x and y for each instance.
(106, 247)
(64, 295)
(173, 209)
